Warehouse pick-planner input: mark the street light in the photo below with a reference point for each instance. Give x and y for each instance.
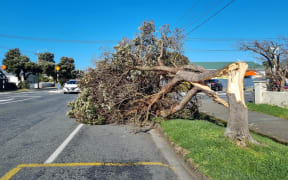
(4, 67)
(57, 71)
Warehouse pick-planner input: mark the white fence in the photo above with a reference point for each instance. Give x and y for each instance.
(41, 85)
(262, 96)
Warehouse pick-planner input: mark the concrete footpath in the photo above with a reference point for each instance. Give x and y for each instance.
(273, 127)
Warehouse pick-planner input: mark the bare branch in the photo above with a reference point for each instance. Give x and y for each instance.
(160, 63)
(211, 94)
(181, 105)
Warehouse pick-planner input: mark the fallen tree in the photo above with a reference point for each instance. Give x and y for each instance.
(124, 88)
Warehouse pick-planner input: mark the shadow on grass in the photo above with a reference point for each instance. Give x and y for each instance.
(206, 117)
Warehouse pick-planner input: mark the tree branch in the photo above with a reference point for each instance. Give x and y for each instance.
(181, 105)
(160, 63)
(211, 94)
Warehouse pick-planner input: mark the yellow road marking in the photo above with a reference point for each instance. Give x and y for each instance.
(94, 164)
(12, 172)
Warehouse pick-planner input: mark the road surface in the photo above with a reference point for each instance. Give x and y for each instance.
(35, 144)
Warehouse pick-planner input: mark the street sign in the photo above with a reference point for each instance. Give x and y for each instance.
(57, 68)
(4, 67)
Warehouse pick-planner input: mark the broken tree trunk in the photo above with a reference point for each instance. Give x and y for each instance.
(237, 126)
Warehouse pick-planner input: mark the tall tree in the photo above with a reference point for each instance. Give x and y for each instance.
(17, 64)
(67, 69)
(47, 63)
(47, 56)
(273, 55)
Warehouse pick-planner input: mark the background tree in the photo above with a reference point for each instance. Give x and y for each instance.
(17, 63)
(32, 68)
(47, 63)
(47, 57)
(67, 69)
(78, 74)
(273, 55)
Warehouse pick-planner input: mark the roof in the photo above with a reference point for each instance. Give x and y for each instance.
(218, 65)
(250, 73)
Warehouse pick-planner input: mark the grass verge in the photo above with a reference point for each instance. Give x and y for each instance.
(269, 109)
(220, 158)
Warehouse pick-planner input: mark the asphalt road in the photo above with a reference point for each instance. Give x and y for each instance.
(249, 96)
(33, 125)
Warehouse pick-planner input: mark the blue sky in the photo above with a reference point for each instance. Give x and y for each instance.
(111, 20)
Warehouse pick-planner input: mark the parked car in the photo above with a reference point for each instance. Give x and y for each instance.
(214, 84)
(71, 86)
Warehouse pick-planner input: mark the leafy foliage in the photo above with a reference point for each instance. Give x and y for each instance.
(17, 63)
(47, 56)
(115, 92)
(47, 63)
(67, 69)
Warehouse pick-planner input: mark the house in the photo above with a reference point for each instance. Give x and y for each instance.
(31, 79)
(12, 78)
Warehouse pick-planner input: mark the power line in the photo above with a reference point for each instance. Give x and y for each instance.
(193, 6)
(211, 50)
(27, 51)
(57, 40)
(188, 50)
(230, 39)
(203, 15)
(209, 18)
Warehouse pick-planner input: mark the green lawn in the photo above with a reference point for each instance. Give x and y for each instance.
(220, 158)
(269, 109)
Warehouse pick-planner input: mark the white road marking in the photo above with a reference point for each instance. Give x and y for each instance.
(9, 99)
(56, 153)
(56, 91)
(20, 100)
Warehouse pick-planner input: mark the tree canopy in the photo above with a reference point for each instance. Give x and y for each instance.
(47, 63)
(47, 56)
(115, 82)
(17, 63)
(67, 69)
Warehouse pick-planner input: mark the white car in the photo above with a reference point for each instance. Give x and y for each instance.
(71, 86)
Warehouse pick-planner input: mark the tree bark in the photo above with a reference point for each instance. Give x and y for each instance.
(237, 126)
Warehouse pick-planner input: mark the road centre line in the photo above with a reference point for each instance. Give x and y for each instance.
(56, 153)
(12, 172)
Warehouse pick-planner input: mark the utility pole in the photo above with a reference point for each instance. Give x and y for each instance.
(38, 74)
